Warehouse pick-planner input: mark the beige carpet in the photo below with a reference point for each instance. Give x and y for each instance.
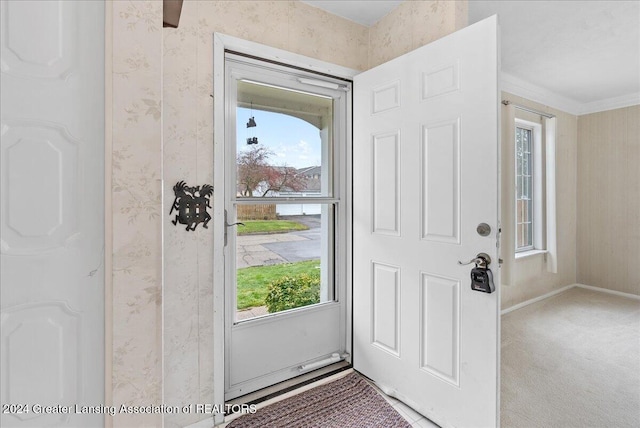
(572, 360)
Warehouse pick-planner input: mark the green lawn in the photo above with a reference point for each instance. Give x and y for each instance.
(269, 226)
(253, 281)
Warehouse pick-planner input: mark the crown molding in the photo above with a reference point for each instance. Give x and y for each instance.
(522, 88)
(516, 86)
(611, 103)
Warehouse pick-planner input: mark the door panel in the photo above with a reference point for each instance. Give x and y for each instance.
(440, 192)
(252, 341)
(425, 135)
(48, 155)
(386, 184)
(385, 307)
(52, 209)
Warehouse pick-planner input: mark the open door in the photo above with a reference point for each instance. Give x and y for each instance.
(425, 180)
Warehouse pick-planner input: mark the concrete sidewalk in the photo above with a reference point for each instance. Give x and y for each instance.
(251, 313)
(251, 250)
(276, 248)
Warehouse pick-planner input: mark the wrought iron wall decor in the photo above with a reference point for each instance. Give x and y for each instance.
(191, 204)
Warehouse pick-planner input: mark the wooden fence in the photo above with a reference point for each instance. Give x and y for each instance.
(257, 212)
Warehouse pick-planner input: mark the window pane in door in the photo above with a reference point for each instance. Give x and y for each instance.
(284, 140)
(284, 257)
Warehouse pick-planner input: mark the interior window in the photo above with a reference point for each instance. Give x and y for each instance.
(524, 189)
(530, 189)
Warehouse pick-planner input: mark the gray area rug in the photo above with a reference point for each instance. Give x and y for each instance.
(572, 360)
(349, 402)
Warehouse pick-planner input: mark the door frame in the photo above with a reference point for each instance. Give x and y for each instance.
(222, 42)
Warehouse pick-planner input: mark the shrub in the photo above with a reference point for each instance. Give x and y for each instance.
(290, 292)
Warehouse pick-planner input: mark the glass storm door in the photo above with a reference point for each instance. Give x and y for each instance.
(285, 222)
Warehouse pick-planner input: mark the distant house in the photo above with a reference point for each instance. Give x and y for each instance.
(313, 187)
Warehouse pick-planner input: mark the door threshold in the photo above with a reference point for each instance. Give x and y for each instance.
(286, 386)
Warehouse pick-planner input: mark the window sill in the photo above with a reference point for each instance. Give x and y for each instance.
(530, 253)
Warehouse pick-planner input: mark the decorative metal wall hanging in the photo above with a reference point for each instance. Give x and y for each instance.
(191, 204)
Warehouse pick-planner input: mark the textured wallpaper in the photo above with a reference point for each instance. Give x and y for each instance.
(137, 209)
(413, 24)
(609, 199)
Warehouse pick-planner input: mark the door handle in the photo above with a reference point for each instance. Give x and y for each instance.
(227, 225)
(481, 260)
(235, 224)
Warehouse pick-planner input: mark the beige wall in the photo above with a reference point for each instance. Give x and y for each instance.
(136, 207)
(609, 200)
(413, 24)
(162, 133)
(531, 278)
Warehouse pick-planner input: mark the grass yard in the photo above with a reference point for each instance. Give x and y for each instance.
(253, 281)
(269, 226)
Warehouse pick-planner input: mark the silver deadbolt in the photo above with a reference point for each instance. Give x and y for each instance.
(483, 229)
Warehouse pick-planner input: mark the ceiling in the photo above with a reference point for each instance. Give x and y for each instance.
(583, 54)
(363, 12)
(578, 56)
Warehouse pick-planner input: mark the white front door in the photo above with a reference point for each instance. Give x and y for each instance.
(425, 177)
(52, 215)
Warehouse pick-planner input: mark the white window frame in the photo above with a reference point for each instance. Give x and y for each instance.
(538, 186)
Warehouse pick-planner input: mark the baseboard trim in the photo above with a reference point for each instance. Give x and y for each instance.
(565, 288)
(606, 290)
(537, 299)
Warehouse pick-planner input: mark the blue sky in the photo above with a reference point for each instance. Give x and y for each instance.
(293, 141)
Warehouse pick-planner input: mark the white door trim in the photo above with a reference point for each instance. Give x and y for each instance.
(222, 42)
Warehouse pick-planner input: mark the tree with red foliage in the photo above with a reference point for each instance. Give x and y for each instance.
(256, 174)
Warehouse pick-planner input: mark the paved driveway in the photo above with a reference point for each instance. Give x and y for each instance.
(270, 249)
